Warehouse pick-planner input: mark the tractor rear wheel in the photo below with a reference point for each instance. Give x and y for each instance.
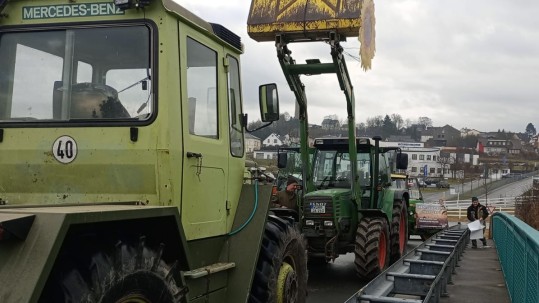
(281, 271)
(371, 247)
(125, 273)
(399, 230)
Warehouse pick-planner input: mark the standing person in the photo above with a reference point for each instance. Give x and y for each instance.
(287, 198)
(476, 211)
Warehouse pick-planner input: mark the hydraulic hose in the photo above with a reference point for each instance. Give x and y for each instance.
(252, 213)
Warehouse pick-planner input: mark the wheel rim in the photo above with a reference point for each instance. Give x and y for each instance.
(402, 231)
(133, 298)
(287, 284)
(382, 249)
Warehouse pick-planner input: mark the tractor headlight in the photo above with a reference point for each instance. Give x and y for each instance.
(309, 222)
(328, 223)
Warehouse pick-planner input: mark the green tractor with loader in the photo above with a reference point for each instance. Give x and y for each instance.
(122, 161)
(347, 202)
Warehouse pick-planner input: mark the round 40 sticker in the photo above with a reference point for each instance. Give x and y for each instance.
(64, 149)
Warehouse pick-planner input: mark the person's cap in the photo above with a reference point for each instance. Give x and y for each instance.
(291, 180)
(474, 199)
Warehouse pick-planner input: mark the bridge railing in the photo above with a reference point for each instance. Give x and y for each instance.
(518, 249)
(456, 209)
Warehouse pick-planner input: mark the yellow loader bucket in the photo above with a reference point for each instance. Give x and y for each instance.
(303, 18)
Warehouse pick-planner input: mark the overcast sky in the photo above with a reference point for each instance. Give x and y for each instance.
(466, 63)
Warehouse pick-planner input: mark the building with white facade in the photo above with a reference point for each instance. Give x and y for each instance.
(422, 161)
(265, 154)
(252, 143)
(272, 140)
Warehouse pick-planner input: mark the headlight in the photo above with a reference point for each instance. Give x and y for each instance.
(328, 223)
(309, 222)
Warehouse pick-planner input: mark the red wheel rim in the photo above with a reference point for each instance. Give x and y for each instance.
(382, 250)
(402, 231)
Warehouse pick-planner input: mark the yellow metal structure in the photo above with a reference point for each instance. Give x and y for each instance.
(303, 18)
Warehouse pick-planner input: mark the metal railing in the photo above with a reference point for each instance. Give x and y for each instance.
(456, 209)
(518, 249)
(504, 202)
(421, 275)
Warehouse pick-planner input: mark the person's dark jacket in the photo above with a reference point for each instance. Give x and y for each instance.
(475, 212)
(286, 199)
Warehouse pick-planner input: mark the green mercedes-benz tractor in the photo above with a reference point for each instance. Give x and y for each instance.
(122, 161)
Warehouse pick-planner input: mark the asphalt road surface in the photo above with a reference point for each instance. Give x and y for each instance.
(336, 282)
(513, 189)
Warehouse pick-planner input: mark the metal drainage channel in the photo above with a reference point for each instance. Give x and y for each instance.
(422, 274)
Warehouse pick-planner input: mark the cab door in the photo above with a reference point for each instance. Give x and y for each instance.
(206, 150)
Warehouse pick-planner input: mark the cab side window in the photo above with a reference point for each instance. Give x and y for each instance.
(234, 103)
(202, 89)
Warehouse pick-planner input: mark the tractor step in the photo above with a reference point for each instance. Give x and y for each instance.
(208, 270)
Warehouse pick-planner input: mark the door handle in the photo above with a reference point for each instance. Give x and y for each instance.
(193, 155)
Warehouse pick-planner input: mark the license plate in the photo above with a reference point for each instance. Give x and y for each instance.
(318, 208)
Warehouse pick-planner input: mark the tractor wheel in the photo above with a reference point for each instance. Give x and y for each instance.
(281, 270)
(399, 231)
(372, 247)
(123, 274)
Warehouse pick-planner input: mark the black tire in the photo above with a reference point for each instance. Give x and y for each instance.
(399, 231)
(372, 247)
(281, 270)
(124, 273)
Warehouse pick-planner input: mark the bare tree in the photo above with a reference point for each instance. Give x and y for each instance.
(445, 161)
(398, 121)
(408, 123)
(374, 122)
(426, 122)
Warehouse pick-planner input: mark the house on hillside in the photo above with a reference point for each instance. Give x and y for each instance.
(273, 140)
(465, 132)
(331, 124)
(499, 143)
(494, 146)
(534, 142)
(439, 136)
(515, 148)
(252, 143)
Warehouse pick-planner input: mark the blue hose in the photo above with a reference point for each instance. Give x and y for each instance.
(252, 213)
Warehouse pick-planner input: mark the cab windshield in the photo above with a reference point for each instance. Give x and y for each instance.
(332, 169)
(76, 74)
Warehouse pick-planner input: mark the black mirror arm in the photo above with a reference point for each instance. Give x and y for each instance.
(244, 123)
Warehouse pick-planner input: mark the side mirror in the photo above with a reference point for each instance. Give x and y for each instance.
(402, 161)
(282, 159)
(269, 102)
